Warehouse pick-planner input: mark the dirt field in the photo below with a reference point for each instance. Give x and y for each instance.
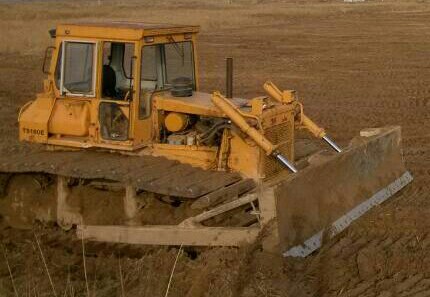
(354, 65)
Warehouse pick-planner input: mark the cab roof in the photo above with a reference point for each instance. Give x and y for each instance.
(121, 29)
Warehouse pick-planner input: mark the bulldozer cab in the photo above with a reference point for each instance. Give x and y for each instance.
(102, 79)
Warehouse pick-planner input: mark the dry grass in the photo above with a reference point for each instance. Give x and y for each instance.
(146, 276)
(25, 25)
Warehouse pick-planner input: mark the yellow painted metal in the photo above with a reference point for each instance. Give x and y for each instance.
(142, 128)
(33, 121)
(70, 117)
(175, 121)
(236, 118)
(199, 156)
(277, 126)
(312, 127)
(288, 97)
(257, 106)
(245, 156)
(85, 142)
(199, 103)
(121, 30)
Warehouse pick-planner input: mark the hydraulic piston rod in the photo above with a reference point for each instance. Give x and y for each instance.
(285, 98)
(285, 162)
(331, 143)
(319, 132)
(222, 103)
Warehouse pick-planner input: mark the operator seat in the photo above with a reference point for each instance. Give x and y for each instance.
(109, 82)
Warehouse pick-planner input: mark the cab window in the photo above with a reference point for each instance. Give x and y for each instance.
(78, 75)
(161, 65)
(118, 59)
(179, 61)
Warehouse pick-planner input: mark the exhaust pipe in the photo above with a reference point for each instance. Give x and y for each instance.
(229, 78)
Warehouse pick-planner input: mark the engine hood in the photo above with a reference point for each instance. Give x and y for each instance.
(199, 103)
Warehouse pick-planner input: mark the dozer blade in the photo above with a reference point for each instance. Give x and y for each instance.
(335, 189)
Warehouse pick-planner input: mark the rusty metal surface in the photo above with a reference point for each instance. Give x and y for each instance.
(319, 199)
(152, 174)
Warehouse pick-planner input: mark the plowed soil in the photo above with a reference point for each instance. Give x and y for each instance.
(354, 65)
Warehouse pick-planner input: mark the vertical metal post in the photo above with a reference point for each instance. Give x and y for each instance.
(67, 215)
(130, 204)
(229, 77)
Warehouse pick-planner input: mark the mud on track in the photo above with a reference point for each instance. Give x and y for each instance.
(354, 66)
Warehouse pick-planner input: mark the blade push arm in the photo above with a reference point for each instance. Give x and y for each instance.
(222, 103)
(287, 97)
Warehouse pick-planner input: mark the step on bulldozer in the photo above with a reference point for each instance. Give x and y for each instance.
(132, 152)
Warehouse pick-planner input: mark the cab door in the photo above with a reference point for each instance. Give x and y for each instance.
(116, 92)
(75, 78)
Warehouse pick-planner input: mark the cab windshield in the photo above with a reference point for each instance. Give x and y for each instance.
(163, 63)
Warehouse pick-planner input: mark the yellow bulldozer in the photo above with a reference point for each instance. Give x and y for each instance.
(163, 163)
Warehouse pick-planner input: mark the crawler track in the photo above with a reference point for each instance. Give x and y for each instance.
(152, 174)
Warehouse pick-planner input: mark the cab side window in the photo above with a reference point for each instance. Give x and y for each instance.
(161, 65)
(78, 68)
(179, 61)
